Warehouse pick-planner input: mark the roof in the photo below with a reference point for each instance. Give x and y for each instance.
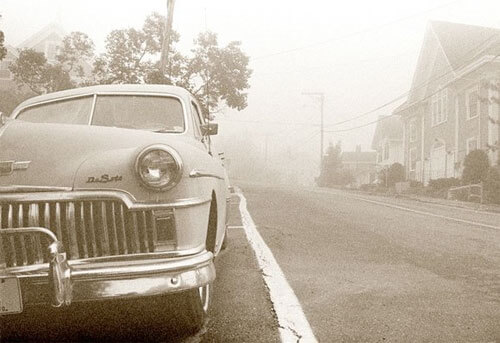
(389, 127)
(447, 48)
(359, 157)
(45, 32)
(461, 42)
(116, 88)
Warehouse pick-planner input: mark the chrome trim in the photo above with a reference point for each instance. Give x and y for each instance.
(100, 195)
(131, 259)
(124, 280)
(26, 189)
(92, 109)
(59, 271)
(200, 173)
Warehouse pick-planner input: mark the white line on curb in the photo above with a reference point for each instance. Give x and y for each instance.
(463, 221)
(293, 324)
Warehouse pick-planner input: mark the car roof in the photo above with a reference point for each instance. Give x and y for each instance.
(115, 88)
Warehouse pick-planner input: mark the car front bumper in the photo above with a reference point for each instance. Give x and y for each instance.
(61, 282)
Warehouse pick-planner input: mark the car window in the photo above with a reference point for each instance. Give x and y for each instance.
(144, 112)
(71, 111)
(196, 119)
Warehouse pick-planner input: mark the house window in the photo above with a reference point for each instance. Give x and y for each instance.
(413, 130)
(472, 103)
(413, 159)
(51, 50)
(439, 107)
(471, 144)
(386, 151)
(5, 73)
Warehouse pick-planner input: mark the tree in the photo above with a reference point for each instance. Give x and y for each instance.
(31, 69)
(3, 49)
(216, 74)
(76, 48)
(331, 166)
(476, 166)
(130, 55)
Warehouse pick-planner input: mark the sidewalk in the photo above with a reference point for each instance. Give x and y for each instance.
(453, 203)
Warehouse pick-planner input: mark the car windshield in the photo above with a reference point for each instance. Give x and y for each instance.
(143, 112)
(71, 111)
(155, 113)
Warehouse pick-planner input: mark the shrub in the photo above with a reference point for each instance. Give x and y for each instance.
(396, 173)
(476, 166)
(444, 183)
(492, 185)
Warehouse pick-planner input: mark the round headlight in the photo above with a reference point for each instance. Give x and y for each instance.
(159, 167)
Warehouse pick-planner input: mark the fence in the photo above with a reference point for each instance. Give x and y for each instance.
(467, 193)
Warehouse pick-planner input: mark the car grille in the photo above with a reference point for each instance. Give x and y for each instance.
(86, 228)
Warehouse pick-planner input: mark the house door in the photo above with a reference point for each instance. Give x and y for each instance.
(438, 161)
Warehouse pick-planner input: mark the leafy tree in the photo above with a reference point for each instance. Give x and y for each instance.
(76, 48)
(215, 74)
(32, 70)
(331, 166)
(3, 49)
(476, 166)
(10, 98)
(130, 55)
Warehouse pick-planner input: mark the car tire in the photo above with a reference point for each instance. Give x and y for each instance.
(193, 306)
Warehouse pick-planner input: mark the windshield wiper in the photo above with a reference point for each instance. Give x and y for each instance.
(165, 130)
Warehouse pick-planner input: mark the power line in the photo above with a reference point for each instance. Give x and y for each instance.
(393, 114)
(355, 33)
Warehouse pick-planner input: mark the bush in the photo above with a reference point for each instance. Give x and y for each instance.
(492, 185)
(476, 166)
(444, 183)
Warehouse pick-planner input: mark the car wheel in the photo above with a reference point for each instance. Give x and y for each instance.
(193, 307)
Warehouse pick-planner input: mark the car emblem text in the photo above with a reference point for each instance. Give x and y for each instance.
(105, 178)
(8, 167)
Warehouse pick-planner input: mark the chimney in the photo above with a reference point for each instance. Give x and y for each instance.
(358, 148)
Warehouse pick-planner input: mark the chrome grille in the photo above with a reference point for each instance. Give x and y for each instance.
(86, 228)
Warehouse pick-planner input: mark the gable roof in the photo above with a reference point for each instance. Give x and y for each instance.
(389, 127)
(447, 48)
(359, 157)
(461, 42)
(44, 33)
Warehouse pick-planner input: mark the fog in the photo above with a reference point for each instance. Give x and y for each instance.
(360, 54)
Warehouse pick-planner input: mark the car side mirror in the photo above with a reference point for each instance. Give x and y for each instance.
(209, 129)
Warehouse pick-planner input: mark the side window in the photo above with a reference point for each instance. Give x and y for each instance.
(196, 118)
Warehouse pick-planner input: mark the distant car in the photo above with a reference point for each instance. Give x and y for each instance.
(109, 192)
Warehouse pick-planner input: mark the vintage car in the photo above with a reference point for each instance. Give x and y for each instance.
(109, 192)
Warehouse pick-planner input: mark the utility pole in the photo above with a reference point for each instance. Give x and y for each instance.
(165, 46)
(321, 97)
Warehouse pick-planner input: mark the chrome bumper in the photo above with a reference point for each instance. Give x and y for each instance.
(61, 282)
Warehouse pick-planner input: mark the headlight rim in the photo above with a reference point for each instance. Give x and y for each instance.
(175, 155)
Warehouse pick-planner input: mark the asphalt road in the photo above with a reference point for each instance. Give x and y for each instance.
(364, 269)
(398, 270)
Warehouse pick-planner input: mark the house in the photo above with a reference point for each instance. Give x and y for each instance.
(47, 40)
(388, 141)
(361, 164)
(451, 108)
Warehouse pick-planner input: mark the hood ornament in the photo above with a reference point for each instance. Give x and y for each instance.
(8, 167)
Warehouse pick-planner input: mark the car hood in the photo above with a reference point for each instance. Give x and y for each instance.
(62, 155)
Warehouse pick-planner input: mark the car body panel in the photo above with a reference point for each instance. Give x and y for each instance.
(65, 162)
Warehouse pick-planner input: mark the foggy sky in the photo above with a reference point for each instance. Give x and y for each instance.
(361, 54)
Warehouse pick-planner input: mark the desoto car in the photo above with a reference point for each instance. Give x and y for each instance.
(109, 192)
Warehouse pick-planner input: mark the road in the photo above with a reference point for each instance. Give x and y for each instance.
(367, 269)
(363, 268)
